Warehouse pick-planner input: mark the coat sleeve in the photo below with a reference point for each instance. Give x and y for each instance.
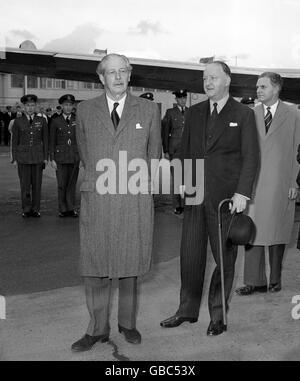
(15, 140)
(295, 180)
(154, 142)
(52, 135)
(45, 138)
(81, 136)
(166, 127)
(249, 153)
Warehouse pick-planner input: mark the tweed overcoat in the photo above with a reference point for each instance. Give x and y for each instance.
(116, 230)
(270, 209)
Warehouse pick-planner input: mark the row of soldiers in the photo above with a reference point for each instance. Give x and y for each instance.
(35, 142)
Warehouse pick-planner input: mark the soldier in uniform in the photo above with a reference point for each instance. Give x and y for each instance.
(172, 128)
(64, 156)
(30, 152)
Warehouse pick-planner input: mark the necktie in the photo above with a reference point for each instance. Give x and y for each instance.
(30, 119)
(182, 110)
(115, 116)
(211, 122)
(68, 120)
(268, 119)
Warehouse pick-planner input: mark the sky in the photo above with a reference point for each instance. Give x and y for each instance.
(256, 33)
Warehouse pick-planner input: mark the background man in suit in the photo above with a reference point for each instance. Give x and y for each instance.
(30, 151)
(172, 127)
(64, 156)
(7, 117)
(115, 229)
(273, 206)
(222, 132)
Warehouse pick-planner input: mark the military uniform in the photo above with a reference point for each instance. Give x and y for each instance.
(64, 151)
(172, 127)
(29, 150)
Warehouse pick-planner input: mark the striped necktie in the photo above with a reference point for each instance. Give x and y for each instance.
(268, 119)
(115, 116)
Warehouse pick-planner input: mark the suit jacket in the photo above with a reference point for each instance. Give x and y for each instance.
(231, 155)
(172, 127)
(271, 209)
(115, 229)
(30, 142)
(7, 118)
(63, 145)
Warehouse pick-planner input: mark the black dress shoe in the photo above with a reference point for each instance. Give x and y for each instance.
(178, 210)
(62, 214)
(276, 287)
(36, 214)
(26, 214)
(73, 214)
(215, 328)
(131, 335)
(175, 321)
(248, 290)
(87, 342)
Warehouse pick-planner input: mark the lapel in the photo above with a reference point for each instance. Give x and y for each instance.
(278, 119)
(127, 114)
(260, 122)
(277, 122)
(102, 114)
(199, 126)
(224, 118)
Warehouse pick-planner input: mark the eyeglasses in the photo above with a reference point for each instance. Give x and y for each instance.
(120, 72)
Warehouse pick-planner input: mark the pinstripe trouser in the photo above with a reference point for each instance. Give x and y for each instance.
(200, 223)
(98, 299)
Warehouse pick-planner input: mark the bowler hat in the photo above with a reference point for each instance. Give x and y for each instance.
(180, 93)
(241, 229)
(66, 98)
(29, 98)
(148, 96)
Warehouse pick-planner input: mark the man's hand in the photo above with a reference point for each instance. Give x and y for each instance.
(239, 203)
(167, 156)
(293, 193)
(14, 163)
(54, 165)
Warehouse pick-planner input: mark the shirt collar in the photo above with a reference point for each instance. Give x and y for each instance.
(273, 108)
(221, 103)
(66, 116)
(110, 103)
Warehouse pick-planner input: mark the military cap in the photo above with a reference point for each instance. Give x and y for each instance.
(148, 96)
(29, 98)
(66, 98)
(247, 100)
(180, 93)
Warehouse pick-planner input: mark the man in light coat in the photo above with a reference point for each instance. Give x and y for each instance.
(116, 227)
(273, 206)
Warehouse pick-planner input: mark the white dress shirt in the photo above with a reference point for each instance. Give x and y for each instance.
(119, 109)
(273, 109)
(221, 103)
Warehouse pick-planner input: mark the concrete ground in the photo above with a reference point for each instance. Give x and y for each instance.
(45, 302)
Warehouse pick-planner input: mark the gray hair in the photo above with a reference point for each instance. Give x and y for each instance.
(275, 78)
(224, 66)
(102, 63)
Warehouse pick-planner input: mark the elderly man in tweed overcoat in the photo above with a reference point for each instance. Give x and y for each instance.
(115, 229)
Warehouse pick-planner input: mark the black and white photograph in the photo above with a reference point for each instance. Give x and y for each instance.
(150, 183)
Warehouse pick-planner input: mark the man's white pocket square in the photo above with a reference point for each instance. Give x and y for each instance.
(138, 126)
(232, 124)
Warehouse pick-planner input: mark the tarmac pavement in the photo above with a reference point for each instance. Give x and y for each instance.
(45, 302)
